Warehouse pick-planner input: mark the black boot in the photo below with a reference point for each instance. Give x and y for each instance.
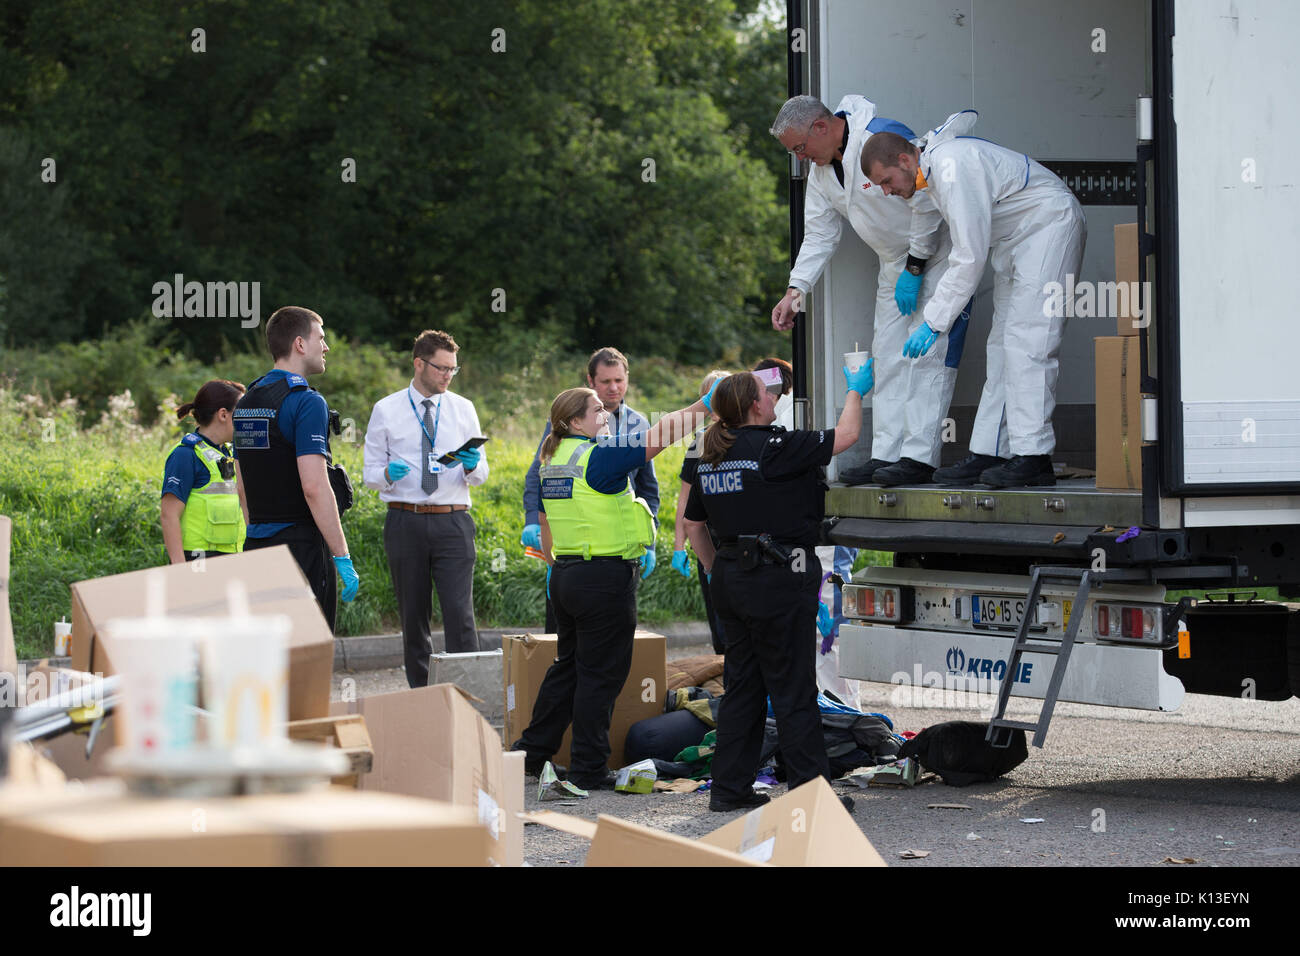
(908, 471)
(967, 471)
(719, 805)
(862, 474)
(1022, 471)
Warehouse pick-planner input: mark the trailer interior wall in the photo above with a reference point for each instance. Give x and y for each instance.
(1029, 67)
(1235, 86)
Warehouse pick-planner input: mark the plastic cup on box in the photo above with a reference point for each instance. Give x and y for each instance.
(157, 661)
(246, 681)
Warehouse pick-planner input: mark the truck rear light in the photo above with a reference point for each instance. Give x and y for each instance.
(890, 605)
(1121, 622)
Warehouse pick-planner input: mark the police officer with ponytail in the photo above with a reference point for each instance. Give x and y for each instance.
(760, 488)
(201, 514)
(594, 532)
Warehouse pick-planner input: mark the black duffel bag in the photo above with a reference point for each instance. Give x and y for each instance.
(958, 752)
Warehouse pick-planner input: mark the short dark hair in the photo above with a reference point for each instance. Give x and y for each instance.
(430, 341)
(884, 148)
(787, 371)
(285, 326)
(606, 356)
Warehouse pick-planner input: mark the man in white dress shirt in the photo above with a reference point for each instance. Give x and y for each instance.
(429, 533)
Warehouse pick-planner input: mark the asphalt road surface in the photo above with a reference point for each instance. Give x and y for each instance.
(1217, 782)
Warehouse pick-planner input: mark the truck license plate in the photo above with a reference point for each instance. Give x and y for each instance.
(996, 612)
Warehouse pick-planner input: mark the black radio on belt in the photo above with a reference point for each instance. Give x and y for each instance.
(752, 549)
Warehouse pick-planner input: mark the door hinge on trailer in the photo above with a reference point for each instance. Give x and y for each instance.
(1098, 182)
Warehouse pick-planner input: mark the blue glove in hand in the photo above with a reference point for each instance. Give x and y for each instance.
(824, 620)
(920, 341)
(468, 458)
(532, 536)
(906, 290)
(349, 575)
(397, 470)
(681, 563)
(863, 380)
(708, 398)
(548, 582)
(647, 563)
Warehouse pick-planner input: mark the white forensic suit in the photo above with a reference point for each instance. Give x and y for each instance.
(910, 397)
(1004, 208)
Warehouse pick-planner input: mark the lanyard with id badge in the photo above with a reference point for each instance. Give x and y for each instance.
(431, 464)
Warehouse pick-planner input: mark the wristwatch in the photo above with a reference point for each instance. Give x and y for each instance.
(915, 265)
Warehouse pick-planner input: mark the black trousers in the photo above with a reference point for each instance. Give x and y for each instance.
(424, 551)
(308, 547)
(770, 618)
(595, 617)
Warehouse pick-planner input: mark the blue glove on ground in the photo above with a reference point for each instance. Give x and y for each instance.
(863, 380)
(708, 398)
(397, 470)
(906, 290)
(920, 341)
(532, 536)
(681, 563)
(548, 582)
(647, 563)
(469, 458)
(349, 575)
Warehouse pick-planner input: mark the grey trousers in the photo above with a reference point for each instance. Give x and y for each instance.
(427, 550)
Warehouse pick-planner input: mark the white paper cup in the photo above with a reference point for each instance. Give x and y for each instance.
(62, 638)
(246, 681)
(156, 658)
(855, 360)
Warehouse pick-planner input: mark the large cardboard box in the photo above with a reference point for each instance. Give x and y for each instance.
(8, 656)
(326, 827)
(275, 585)
(512, 804)
(616, 842)
(430, 742)
(806, 827)
(1119, 408)
(1126, 271)
(527, 658)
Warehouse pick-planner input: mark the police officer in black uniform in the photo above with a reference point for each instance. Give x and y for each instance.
(760, 488)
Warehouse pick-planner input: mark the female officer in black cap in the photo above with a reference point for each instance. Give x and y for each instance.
(760, 489)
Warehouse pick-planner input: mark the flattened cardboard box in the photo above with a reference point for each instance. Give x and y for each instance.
(806, 827)
(1119, 407)
(326, 827)
(1126, 272)
(275, 585)
(430, 742)
(8, 656)
(527, 658)
(616, 842)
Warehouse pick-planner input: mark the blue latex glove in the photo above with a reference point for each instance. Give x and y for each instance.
(920, 341)
(469, 458)
(905, 292)
(532, 536)
(824, 620)
(397, 470)
(349, 575)
(681, 563)
(548, 582)
(863, 380)
(647, 563)
(708, 398)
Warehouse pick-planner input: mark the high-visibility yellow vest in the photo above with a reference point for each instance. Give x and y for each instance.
(212, 519)
(586, 521)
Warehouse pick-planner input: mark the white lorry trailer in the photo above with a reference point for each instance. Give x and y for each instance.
(1181, 116)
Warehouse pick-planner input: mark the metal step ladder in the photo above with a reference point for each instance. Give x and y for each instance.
(999, 732)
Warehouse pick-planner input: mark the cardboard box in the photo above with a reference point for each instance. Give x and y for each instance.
(327, 827)
(512, 804)
(478, 672)
(430, 742)
(8, 656)
(806, 827)
(275, 585)
(1119, 408)
(527, 658)
(616, 842)
(1126, 271)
